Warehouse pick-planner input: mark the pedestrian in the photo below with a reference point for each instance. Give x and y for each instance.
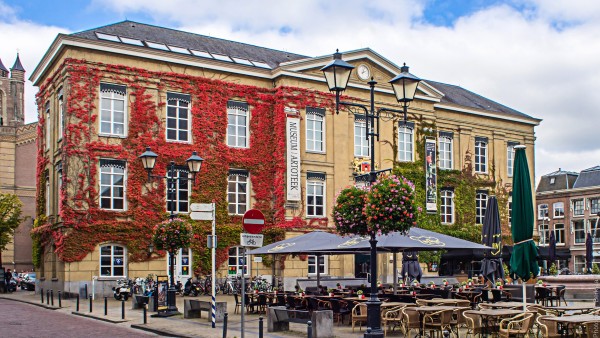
(7, 278)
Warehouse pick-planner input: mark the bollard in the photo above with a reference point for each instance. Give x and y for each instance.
(260, 327)
(52, 297)
(42, 295)
(85, 290)
(91, 300)
(47, 297)
(77, 306)
(309, 329)
(59, 299)
(105, 306)
(145, 313)
(225, 324)
(122, 309)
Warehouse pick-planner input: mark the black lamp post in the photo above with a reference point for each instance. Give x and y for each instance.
(337, 74)
(194, 164)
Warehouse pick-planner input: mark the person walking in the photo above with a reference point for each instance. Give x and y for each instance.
(7, 278)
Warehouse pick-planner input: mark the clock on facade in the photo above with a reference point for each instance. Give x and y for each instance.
(364, 73)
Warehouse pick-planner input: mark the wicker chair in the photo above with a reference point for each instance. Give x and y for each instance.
(548, 328)
(458, 320)
(359, 314)
(340, 309)
(437, 322)
(591, 329)
(410, 320)
(519, 325)
(474, 323)
(392, 318)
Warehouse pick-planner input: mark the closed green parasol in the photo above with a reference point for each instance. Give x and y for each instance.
(523, 262)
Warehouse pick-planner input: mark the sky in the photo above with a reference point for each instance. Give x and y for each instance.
(540, 57)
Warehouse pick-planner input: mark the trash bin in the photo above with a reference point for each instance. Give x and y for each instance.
(597, 297)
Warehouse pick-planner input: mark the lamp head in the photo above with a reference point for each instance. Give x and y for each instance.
(405, 85)
(194, 163)
(337, 74)
(148, 159)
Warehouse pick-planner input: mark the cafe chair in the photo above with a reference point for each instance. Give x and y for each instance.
(542, 296)
(391, 318)
(437, 322)
(473, 322)
(238, 304)
(340, 309)
(410, 320)
(359, 315)
(548, 328)
(591, 329)
(519, 325)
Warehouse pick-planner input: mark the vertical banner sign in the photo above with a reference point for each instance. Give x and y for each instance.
(293, 158)
(430, 176)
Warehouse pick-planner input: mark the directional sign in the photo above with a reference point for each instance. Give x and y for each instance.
(253, 221)
(251, 240)
(201, 211)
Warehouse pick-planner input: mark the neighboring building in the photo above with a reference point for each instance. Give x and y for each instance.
(107, 93)
(568, 203)
(18, 158)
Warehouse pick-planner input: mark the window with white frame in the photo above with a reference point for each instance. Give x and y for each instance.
(48, 125)
(559, 233)
(361, 144)
(510, 157)
(593, 229)
(578, 207)
(178, 117)
(113, 114)
(480, 204)
(559, 209)
(481, 144)
(59, 178)
(594, 206)
(510, 211)
(312, 264)
(112, 184)
(579, 230)
(544, 231)
(315, 194)
(47, 194)
(579, 264)
(315, 129)
(542, 211)
(405, 141)
(178, 195)
(237, 124)
(61, 113)
(237, 191)
(447, 206)
(236, 262)
(112, 261)
(445, 150)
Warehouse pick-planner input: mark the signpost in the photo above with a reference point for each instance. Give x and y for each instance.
(253, 223)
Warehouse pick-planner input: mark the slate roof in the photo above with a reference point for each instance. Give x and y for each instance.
(145, 32)
(454, 94)
(18, 65)
(2, 67)
(562, 180)
(588, 178)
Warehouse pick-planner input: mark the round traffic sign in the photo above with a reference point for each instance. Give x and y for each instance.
(253, 221)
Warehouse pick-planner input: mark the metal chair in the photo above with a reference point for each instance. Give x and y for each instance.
(340, 309)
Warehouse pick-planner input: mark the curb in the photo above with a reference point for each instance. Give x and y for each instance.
(109, 320)
(49, 307)
(163, 333)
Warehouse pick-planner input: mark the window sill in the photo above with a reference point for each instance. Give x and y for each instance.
(177, 141)
(108, 279)
(112, 135)
(315, 216)
(582, 215)
(238, 147)
(315, 152)
(558, 217)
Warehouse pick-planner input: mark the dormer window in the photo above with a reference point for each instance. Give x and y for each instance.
(552, 179)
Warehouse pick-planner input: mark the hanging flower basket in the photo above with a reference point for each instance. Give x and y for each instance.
(348, 212)
(172, 235)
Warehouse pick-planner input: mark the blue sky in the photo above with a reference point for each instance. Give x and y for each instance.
(537, 56)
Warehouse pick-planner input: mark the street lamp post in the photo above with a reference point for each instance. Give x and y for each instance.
(194, 163)
(337, 74)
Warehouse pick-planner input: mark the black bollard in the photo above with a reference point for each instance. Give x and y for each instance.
(309, 329)
(42, 295)
(146, 311)
(77, 304)
(85, 290)
(52, 297)
(59, 299)
(91, 300)
(122, 309)
(260, 327)
(225, 325)
(47, 297)
(105, 306)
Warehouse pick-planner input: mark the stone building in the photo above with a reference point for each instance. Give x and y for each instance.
(108, 92)
(568, 204)
(17, 158)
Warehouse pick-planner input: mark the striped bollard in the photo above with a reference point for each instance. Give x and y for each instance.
(214, 311)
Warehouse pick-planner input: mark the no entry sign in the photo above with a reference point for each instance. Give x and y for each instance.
(253, 221)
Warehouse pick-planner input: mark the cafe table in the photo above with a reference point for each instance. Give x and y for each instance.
(438, 301)
(572, 321)
(490, 316)
(581, 308)
(507, 305)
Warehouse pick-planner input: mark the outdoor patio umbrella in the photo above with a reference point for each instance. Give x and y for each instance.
(411, 269)
(491, 264)
(523, 262)
(552, 249)
(589, 256)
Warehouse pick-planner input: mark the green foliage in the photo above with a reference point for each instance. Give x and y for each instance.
(595, 269)
(348, 211)
(553, 270)
(10, 218)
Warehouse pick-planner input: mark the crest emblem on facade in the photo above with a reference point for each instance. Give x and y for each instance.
(428, 240)
(362, 165)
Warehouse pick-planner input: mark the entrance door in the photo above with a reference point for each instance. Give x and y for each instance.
(362, 265)
(183, 265)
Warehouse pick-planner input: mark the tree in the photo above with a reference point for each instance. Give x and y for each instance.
(10, 218)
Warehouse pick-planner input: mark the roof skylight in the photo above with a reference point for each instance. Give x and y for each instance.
(156, 45)
(108, 37)
(201, 54)
(261, 64)
(130, 41)
(221, 57)
(178, 49)
(242, 61)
